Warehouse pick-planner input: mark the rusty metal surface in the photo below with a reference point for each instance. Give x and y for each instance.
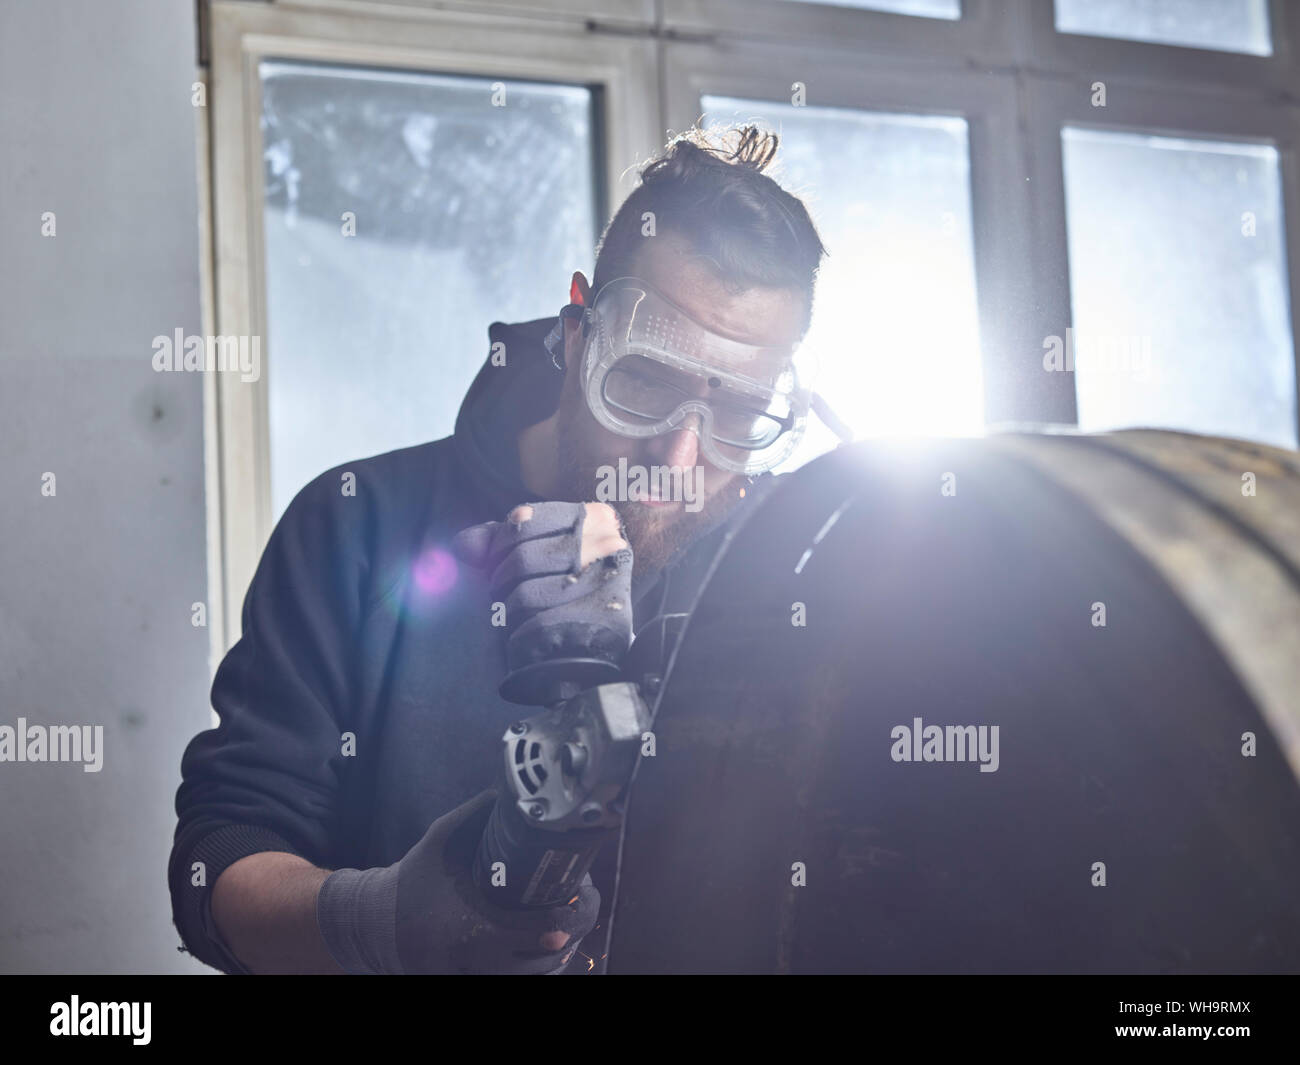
(1118, 744)
(1233, 558)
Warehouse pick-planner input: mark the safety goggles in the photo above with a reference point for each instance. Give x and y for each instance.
(649, 368)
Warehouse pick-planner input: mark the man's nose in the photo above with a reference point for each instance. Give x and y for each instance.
(681, 446)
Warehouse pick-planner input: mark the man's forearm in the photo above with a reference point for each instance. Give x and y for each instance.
(264, 906)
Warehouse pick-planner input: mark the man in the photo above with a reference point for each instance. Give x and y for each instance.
(329, 823)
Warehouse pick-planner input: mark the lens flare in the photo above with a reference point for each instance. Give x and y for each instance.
(434, 571)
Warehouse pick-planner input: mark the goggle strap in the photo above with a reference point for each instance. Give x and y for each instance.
(830, 419)
(556, 335)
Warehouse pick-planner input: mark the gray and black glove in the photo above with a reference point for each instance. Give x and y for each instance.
(423, 914)
(555, 608)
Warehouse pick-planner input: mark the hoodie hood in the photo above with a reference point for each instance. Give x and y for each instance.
(518, 388)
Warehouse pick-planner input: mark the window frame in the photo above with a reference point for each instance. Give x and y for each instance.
(621, 67)
(1017, 181)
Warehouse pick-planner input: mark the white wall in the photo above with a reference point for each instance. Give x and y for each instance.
(96, 125)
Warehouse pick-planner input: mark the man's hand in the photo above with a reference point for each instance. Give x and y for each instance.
(564, 573)
(425, 915)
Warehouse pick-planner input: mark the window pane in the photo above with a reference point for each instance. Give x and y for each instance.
(928, 8)
(1179, 286)
(895, 327)
(465, 213)
(1224, 25)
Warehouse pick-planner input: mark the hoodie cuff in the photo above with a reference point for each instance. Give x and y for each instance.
(356, 912)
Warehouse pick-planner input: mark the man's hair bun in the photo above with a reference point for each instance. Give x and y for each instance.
(744, 146)
(708, 186)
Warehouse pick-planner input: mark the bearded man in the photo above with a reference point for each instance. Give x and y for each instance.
(329, 823)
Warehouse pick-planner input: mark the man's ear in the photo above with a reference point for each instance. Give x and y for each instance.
(579, 290)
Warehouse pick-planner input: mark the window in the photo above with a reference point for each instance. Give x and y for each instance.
(1222, 25)
(1179, 285)
(403, 213)
(895, 329)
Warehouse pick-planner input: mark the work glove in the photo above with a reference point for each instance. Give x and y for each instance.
(555, 606)
(424, 914)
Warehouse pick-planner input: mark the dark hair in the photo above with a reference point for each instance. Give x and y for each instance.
(708, 187)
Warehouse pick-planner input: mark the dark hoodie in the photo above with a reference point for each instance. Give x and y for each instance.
(360, 703)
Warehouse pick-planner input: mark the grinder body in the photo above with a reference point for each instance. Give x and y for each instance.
(565, 773)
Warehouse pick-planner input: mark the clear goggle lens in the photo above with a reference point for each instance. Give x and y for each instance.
(635, 387)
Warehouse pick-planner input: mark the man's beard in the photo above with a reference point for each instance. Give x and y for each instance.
(658, 535)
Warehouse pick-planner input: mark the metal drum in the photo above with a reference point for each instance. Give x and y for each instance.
(1029, 703)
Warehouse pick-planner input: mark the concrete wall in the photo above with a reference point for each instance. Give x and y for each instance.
(96, 125)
